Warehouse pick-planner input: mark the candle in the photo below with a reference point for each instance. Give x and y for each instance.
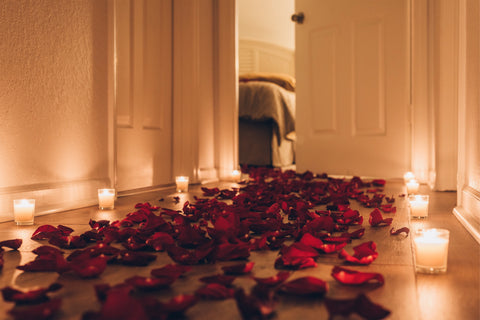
(106, 198)
(412, 186)
(408, 176)
(182, 183)
(431, 250)
(23, 211)
(418, 206)
(236, 175)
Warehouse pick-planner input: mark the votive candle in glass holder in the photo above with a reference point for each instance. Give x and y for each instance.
(412, 186)
(408, 176)
(236, 175)
(431, 250)
(106, 199)
(182, 183)
(24, 211)
(418, 206)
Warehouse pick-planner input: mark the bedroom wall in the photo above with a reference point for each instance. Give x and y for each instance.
(267, 20)
(53, 102)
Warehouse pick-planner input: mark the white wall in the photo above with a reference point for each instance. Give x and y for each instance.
(53, 102)
(267, 20)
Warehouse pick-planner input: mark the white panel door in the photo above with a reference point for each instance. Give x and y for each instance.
(353, 87)
(143, 93)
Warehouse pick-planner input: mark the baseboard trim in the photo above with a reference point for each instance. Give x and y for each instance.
(52, 197)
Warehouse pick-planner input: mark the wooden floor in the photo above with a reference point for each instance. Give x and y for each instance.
(408, 295)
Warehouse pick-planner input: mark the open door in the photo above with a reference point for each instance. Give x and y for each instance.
(353, 87)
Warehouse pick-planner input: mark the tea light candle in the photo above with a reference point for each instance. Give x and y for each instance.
(106, 198)
(408, 176)
(236, 175)
(418, 206)
(431, 250)
(23, 211)
(182, 183)
(412, 186)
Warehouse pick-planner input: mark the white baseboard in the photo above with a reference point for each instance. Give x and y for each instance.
(468, 212)
(52, 197)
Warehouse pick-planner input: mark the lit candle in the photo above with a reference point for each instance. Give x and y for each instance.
(236, 175)
(412, 186)
(106, 198)
(431, 250)
(23, 211)
(408, 176)
(418, 206)
(182, 183)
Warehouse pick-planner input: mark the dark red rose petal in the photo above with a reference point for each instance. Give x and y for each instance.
(43, 311)
(12, 244)
(376, 219)
(388, 208)
(215, 291)
(364, 253)
(360, 305)
(180, 303)
(32, 296)
(119, 304)
(394, 232)
(379, 182)
(352, 277)
(238, 269)
(134, 258)
(170, 270)
(305, 286)
(229, 251)
(44, 232)
(252, 307)
(295, 263)
(277, 279)
(218, 278)
(89, 267)
(146, 283)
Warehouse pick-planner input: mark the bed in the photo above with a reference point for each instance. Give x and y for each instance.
(266, 105)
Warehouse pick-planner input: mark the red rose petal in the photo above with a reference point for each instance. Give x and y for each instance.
(376, 219)
(238, 269)
(43, 311)
(89, 267)
(215, 291)
(180, 303)
(134, 258)
(360, 305)
(252, 307)
(277, 279)
(352, 277)
(170, 270)
(364, 253)
(43, 232)
(32, 296)
(12, 244)
(218, 278)
(146, 283)
(305, 286)
(394, 232)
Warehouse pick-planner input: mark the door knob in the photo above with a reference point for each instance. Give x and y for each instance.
(298, 17)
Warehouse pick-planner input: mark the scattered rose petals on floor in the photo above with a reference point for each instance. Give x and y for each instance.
(360, 305)
(353, 277)
(364, 253)
(305, 286)
(42, 311)
(396, 232)
(30, 296)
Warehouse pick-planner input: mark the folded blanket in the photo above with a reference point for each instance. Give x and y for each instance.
(284, 80)
(261, 101)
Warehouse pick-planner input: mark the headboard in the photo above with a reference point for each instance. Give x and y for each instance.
(260, 56)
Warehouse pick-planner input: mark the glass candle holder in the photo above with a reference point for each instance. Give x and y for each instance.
(23, 211)
(431, 250)
(412, 186)
(418, 206)
(236, 175)
(182, 183)
(106, 199)
(408, 176)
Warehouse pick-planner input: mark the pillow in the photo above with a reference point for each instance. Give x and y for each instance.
(284, 80)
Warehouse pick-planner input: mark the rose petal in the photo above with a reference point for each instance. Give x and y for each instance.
(394, 232)
(32, 296)
(170, 270)
(218, 278)
(252, 307)
(134, 258)
(45, 310)
(147, 283)
(305, 286)
(180, 303)
(238, 269)
(215, 291)
(352, 277)
(360, 305)
(89, 267)
(364, 253)
(277, 279)
(12, 244)
(376, 219)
